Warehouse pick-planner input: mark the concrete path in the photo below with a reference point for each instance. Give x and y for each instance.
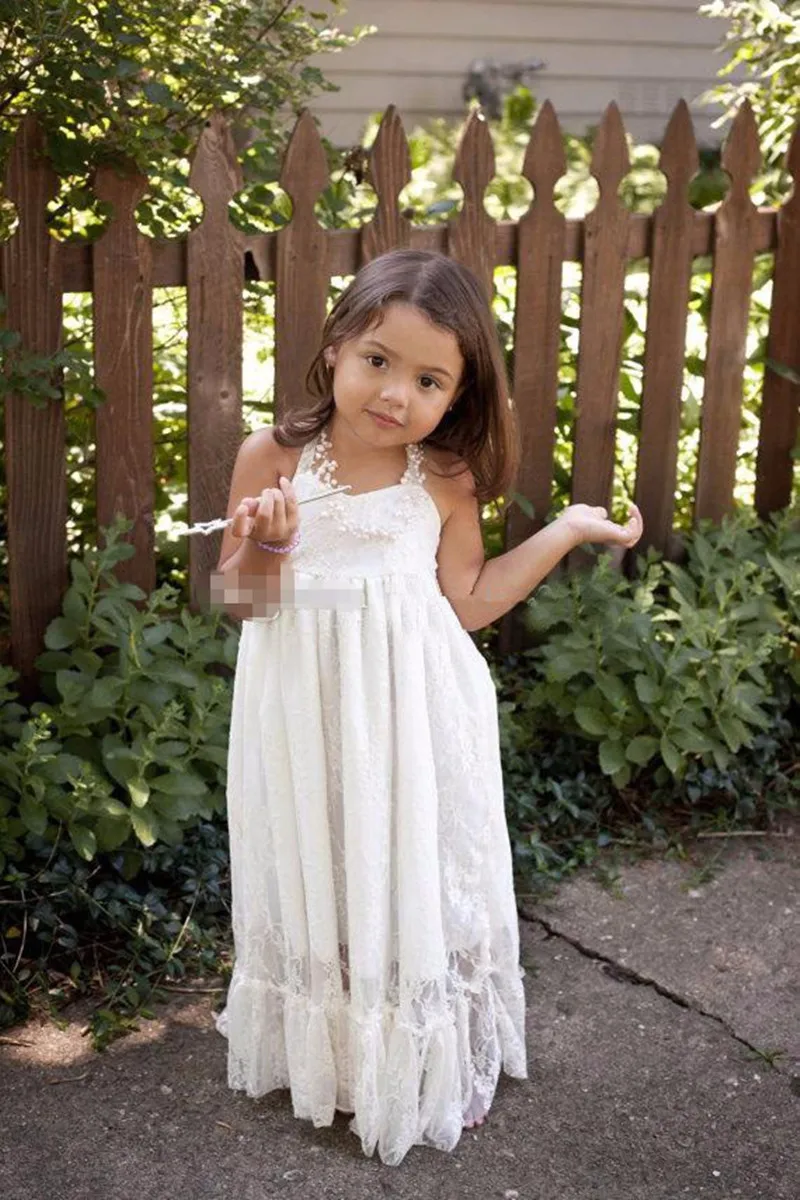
(647, 1007)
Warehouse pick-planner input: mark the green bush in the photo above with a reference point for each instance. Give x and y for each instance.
(74, 928)
(761, 43)
(674, 687)
(128, 746)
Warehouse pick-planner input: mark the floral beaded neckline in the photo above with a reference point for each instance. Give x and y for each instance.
(353, 519)
(327, 466)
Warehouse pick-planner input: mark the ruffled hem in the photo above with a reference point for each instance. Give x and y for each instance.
(406, 1084)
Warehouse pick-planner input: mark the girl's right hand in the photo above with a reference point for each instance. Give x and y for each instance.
(271, 517)
(591, 524)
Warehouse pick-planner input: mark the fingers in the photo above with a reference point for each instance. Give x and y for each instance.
(633, 528)
(243, 517)
(268, 517)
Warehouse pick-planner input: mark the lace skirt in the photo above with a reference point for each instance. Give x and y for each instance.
(375, 929)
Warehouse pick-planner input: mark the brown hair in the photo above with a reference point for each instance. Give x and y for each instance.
(481, 428)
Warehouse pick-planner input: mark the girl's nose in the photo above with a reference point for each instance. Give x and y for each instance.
(395, 391)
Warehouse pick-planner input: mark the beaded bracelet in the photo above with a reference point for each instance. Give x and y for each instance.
(292, 545)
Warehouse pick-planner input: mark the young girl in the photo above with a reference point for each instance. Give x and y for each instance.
(376, 940)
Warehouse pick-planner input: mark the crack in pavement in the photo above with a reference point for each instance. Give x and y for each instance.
(627, 975)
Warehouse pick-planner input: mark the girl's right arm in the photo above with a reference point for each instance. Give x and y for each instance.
(247, 581)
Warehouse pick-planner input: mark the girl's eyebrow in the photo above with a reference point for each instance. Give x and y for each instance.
(386, 350)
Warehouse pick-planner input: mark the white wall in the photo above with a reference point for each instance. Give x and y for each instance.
(645, 54)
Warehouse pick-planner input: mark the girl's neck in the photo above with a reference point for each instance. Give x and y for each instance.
(351, 450)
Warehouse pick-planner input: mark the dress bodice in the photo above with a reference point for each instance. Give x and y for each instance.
(387, 531)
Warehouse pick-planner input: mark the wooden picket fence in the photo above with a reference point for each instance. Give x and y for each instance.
(122, 267)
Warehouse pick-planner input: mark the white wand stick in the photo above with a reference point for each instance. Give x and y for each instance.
(207, 527)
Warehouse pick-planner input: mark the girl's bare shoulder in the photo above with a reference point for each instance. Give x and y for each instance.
(448, 479)
(277, 460)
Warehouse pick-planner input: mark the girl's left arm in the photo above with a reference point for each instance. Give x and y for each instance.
(482, 592)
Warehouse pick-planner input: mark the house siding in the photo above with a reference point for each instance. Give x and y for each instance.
(644, 54)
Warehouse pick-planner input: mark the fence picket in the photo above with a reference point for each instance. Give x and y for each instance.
(471, 234)
(35, 459)
(602, 296)
(779, 409)
(732, 278)
(389, 172)
(537, 323)
(537, 335)
(301, 270)
(123, 364)
(670, 276)
(214, 344)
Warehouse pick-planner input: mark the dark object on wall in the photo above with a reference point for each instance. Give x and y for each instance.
(489, 81)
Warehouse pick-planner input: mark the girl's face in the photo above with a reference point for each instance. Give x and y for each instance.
(406, 368)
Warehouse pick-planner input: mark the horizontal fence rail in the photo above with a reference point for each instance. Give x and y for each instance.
(122, 267)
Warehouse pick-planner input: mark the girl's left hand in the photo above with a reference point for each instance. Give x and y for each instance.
(591, 524)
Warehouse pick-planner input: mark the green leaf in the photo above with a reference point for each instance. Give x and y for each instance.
(120, 761)
(692, 740)
(130, 591)
(74, 606)
(80, 576)
(158, 93)
(138, 791)
(213, 754)
(53, 660)
(670, 754)
(33, 815)
(612, 757)
(782, 370)
(641, 749)
(125, 67)
(179, 783)
(154, 635)
(72, 685)
(60, 633)
(524, 503)
(83, 840)
(613, 689)
(592, 719)
(87, 660)
(112, 831)
(106, 691)
(145, 825)
(113, 808)
(732, 730)
(166, 752)
(62, 768)
(173, 672)
(647, 689)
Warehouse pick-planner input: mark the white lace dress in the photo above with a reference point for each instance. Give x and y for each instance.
(368, 835)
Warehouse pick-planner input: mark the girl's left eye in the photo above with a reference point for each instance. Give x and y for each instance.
(426, 379)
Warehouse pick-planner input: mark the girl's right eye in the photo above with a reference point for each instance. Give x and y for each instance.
(375, 360)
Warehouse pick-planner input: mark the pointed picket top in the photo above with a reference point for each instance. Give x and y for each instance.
(28, 164)
(390, 158)
(474, 164)
(215, 173)
(741, 154)
(679, 159)
(545, 161)
(471, 234)
(304, 174)
(389, 171)
(610, 159)
(122, 187)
